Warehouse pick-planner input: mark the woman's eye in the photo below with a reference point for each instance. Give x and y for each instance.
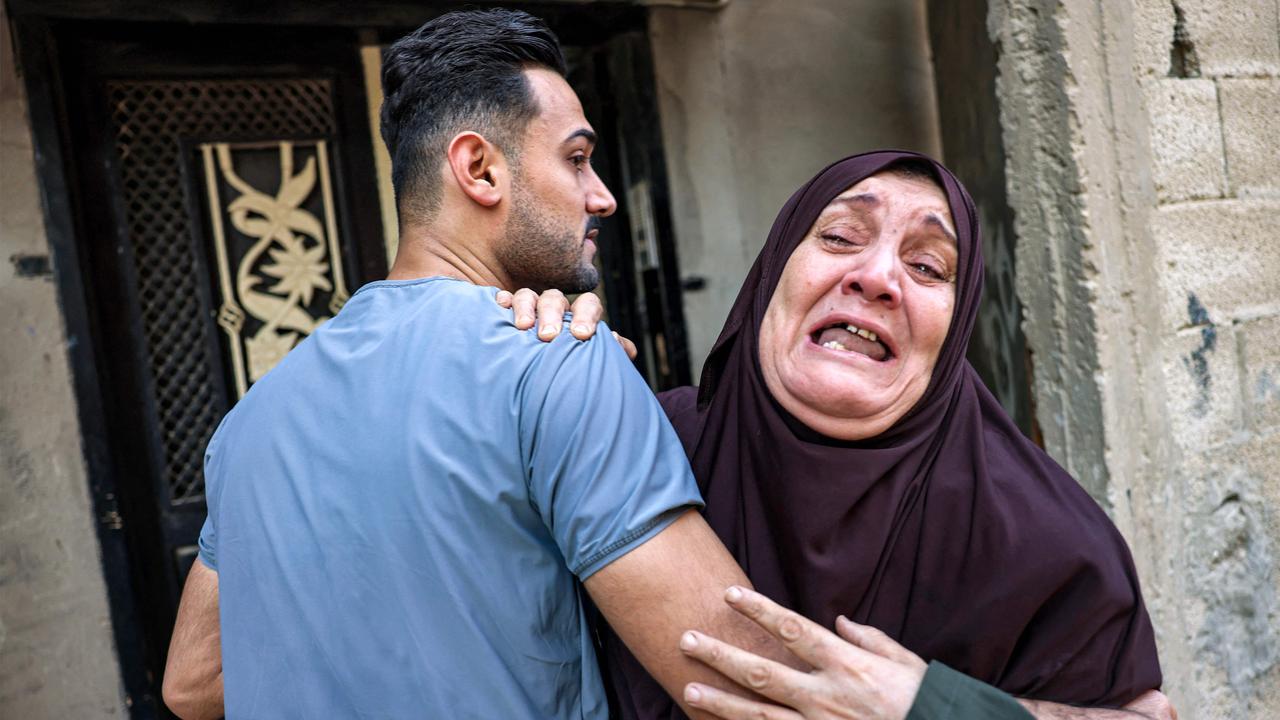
(837, 240)
(580, 161)
(928, 271)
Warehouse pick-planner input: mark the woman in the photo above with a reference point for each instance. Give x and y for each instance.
(854, 464)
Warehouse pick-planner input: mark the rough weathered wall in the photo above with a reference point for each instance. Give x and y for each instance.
(56, 651)
(757, 97)
(1142, 140)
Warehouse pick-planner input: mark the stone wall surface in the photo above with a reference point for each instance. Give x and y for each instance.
(1142, 139)
(1251, 134)
(57, 658)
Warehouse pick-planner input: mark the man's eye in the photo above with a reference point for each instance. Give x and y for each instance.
(580, 161)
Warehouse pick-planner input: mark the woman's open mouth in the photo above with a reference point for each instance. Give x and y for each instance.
(850, 338)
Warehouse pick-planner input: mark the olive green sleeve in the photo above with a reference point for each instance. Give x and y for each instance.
(949, 695)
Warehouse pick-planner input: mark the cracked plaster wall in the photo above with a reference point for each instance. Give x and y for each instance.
(1142, 139)
(57, 658)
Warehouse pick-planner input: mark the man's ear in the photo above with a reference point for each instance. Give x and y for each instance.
(478, 167)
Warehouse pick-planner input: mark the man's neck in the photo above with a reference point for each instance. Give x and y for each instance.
(423, 253)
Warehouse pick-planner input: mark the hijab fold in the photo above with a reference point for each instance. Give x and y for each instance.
(951, 531)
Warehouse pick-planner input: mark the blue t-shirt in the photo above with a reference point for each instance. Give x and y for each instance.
(400, 512)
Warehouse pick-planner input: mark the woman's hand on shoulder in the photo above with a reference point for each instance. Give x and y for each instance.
(547, 312)
(862, 673)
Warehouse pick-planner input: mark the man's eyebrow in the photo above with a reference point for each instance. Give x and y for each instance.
(587, 133)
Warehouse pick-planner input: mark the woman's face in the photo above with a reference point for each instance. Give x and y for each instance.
(853, 330)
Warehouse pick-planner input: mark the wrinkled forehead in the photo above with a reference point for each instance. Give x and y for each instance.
(916, 199)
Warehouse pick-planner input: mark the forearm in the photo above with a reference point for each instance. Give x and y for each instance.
(1151, 705)
(1053, 711)
(193, 673)
(197, 701)
(673, 583)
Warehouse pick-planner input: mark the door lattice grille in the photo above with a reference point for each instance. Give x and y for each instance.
(150, 120)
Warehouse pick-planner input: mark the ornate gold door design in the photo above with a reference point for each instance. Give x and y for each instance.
(278, 257)
(156, 127)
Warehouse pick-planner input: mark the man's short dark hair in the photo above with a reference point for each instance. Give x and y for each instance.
(460, 71)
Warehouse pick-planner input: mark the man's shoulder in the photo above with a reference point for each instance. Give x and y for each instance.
(426, 291)
(438, 315)
(577, 372)
(599, 353)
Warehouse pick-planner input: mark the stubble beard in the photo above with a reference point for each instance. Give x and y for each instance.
(541, 253)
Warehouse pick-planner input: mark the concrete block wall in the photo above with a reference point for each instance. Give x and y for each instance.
(1231, 39)
(1214, 224)
(1251, 133)
(1143, 139)
(1215, 253)
(1183, 170)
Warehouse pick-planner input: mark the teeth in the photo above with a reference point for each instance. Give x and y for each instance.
(834, 345)
(862, 333)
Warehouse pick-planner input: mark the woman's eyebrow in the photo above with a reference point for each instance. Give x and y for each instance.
(858, 204)
(935, 220)
(866, 198)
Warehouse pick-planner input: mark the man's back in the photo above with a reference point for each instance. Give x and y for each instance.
(398, 511)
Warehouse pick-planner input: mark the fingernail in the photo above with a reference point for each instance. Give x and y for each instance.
(688, 641)
(579, 329)
(733, 594)
(524, 319)
(546, 330)
(692, 694)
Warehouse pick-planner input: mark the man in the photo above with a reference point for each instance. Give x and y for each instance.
(400, 513)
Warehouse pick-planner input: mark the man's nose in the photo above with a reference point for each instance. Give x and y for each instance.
(599, 200)
(876, 276)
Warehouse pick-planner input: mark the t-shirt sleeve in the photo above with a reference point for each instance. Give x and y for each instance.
(605, 470)
(208, 542)
(208, 555)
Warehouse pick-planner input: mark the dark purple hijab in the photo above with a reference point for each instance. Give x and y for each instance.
(951, 531)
